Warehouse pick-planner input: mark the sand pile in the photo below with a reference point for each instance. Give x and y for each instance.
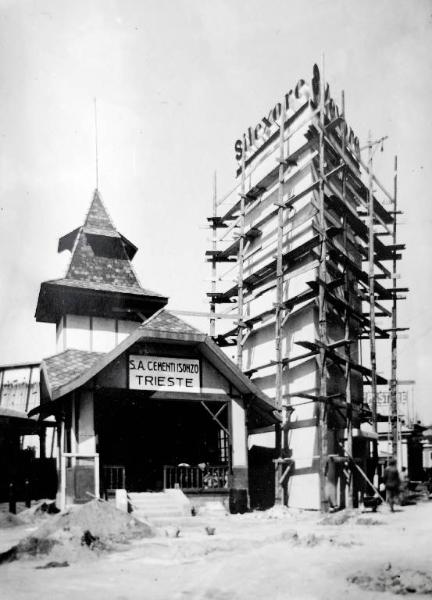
(8, 519)
(395, 581)
(39, 511)
(79, 532)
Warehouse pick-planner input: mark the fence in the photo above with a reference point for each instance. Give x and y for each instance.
(196, 478)
(113, 477)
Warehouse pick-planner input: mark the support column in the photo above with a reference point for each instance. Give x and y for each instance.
(347, 334)
(239, 445)
(213, 265)
(84, 418)
(62, 460)
(393, 376)
(42, 442)
(322, 313)
(372, 301)
(279, 266)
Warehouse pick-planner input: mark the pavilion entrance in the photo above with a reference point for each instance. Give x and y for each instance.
(150, 445)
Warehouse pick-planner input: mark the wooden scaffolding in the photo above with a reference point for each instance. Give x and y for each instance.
(304, 232)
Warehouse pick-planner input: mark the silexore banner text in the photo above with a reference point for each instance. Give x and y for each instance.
(164, 374)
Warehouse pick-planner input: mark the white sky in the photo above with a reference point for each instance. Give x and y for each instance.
(177, 82)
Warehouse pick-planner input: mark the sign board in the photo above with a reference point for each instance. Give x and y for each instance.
(164, 374)
(256, 136)
(404, 399)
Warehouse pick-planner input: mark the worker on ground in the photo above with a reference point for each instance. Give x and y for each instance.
(392, 483)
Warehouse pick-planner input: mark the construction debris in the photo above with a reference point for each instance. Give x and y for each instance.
(40, 510)
(83, 530)
(395, 581)
(9, 520)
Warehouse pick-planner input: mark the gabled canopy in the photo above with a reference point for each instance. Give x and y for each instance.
(72, 369)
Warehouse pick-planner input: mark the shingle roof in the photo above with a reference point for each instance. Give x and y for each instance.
(98, 217)
(104, 287)
(100, 262)
(103, 260)
(66, 366)
(63, 368)
(166, 321)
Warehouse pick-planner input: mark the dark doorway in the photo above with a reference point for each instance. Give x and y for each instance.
(261, 477)
(142, 435)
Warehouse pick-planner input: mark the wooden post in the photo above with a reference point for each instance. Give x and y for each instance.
(27, 493)
(42, 441)
(240, 267)
(213, 269)
(62, 466)
(279, 270)
(74, 429)
(322, 317)
(29, 389)
(97, 476)
(393, 377)
(372, 287)
(12, 499)
(347, 333)
(372, 341)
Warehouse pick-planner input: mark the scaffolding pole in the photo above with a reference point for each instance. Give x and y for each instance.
(393, 376)
(371, 257)
(347, 329)
(240, 256)
(279, 266)
(213, 268)
(322, 320)
(281, 494)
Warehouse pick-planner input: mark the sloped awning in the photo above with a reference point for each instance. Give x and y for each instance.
(18, 421)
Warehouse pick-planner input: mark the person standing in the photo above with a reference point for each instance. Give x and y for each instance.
(392, 483)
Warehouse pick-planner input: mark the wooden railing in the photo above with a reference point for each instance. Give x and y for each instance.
(187, 478)
(114, 477)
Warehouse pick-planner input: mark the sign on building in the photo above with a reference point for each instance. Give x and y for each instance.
(164, 374)
(404, 399)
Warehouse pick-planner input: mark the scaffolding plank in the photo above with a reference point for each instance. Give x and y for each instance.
(361, 275)
(379, 209)
(264, 184)
(267, 270)
(337, 202)
(217, 222)
(218, 256)
(332, 355)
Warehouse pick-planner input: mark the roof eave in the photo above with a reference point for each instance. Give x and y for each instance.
(49, 291)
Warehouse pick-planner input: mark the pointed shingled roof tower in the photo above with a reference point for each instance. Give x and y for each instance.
(100, 279)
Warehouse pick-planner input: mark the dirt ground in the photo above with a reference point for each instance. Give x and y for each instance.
(278, 554)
